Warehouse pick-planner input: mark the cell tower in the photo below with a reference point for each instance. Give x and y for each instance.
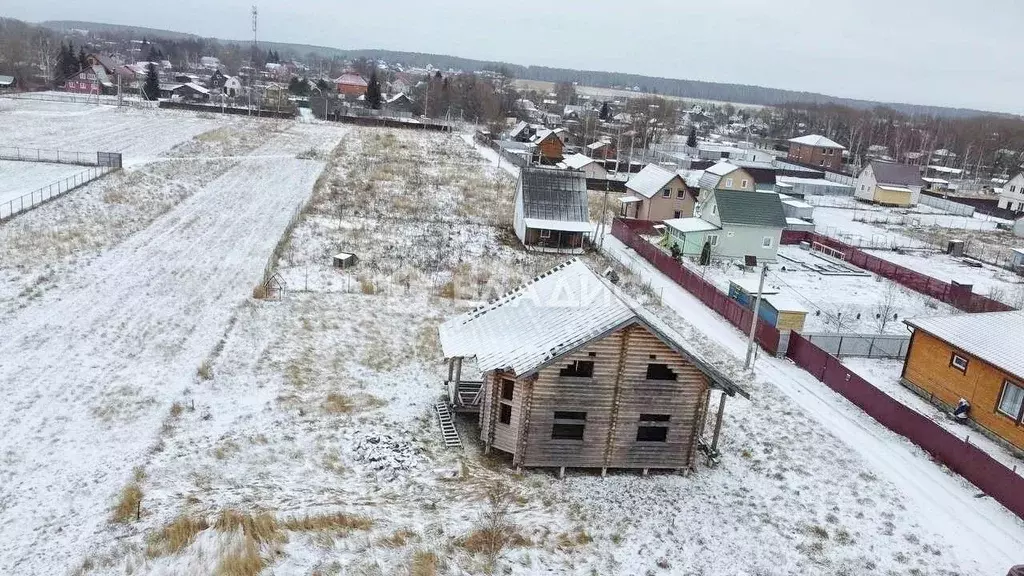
(254, 15)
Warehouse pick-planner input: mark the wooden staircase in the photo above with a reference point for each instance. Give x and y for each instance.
(448, 430)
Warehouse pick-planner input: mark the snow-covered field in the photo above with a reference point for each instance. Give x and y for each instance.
(20, 178)
(885, 375)
(158, 420)
(92, 365)
(140, 135)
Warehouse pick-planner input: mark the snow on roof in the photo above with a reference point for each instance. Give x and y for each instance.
(564, 308)
(894, 188)
(809, 181)
(934, 180)
(797, 222)
(796, 203)
(817, 140)
(785, 303)
(558, 225)
(945, 170)
(749, 285)
(351, 79)
(993, 337)
(596, 145)
(721, 168)
(690, 224)
(650, 180)
(197, 87)
(629, 199)
(577, 161)
(692, 177)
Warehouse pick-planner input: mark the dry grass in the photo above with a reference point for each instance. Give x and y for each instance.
(424, 563)
(491, 541)
(205, 370)
(576, 539)
(175, 536)
(242, 560)
(337, 404)
(129, 504)
(176, 409)
(261, 527)
(367, 286)
(398, 538)
(336, 522)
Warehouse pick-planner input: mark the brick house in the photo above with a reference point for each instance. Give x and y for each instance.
(816, 150)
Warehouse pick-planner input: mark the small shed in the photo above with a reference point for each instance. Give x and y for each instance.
(798, 225)
(794, 208)
(783, 312)
(744, 290)
(1017, 259)
(344, 260)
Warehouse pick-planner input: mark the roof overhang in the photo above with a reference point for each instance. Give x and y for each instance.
(558, 225)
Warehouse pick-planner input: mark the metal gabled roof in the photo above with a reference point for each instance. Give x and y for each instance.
(554, 194)
(552, 315)
(994, 337)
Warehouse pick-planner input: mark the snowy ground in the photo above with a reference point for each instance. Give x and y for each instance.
(975, 536)
(834, 303)
(92, 365)
(20, 178)
(140, 135)
(885, 375)
(296, 435)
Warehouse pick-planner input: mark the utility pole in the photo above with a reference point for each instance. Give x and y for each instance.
(753, 323)
(604, 209)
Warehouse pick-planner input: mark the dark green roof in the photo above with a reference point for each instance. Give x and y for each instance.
(750, 208)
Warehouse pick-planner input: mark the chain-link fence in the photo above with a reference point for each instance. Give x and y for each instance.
(29, 201)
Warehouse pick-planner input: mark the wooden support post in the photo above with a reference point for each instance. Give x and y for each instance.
(644, 472)
(718, 423)
(561, 472)
(451, 368)
(604, 472)
(458, 373)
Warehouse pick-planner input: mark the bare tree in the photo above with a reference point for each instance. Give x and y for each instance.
(885, 310)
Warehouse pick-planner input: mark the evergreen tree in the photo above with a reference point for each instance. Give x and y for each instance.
(153, 55)
(151, 88)
(604, 111)
(691, 140)
(323, 85)
(373, 93)
(82, 63)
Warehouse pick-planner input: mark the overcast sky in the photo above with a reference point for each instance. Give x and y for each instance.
(943, 52)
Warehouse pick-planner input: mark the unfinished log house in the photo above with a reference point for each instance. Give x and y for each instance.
(577, 374)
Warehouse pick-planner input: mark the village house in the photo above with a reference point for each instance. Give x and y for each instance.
(7, 83)
(217, 81)
(549, 145)
(399, 103)
(725, 175)
(190, 92)
(975, 357)
(748, 225)
(600, 149)
(591, 168)
(816, 150)
(655, 193)
(577, 374)
(1012, 196)
(551, 209)
(888, 184)
(351, 84)
(232, 87)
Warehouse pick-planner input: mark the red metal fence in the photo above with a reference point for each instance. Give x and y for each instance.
(957, 296)
(993, 478)
(737, 314)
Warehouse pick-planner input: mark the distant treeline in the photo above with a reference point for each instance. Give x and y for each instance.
(695, 89)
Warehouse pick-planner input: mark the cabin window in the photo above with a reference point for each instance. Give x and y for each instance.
(728, 182)
(766, 242)
(959, 362)
(505, 414)
(545, 233)
(677, 214)
(508, 388)
(681, 194)
(713, 239)
(569, 426)
(660, 372)
(744, 182)
(578, 369)
(652, 428)
(1011, 401)
(666, 192)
